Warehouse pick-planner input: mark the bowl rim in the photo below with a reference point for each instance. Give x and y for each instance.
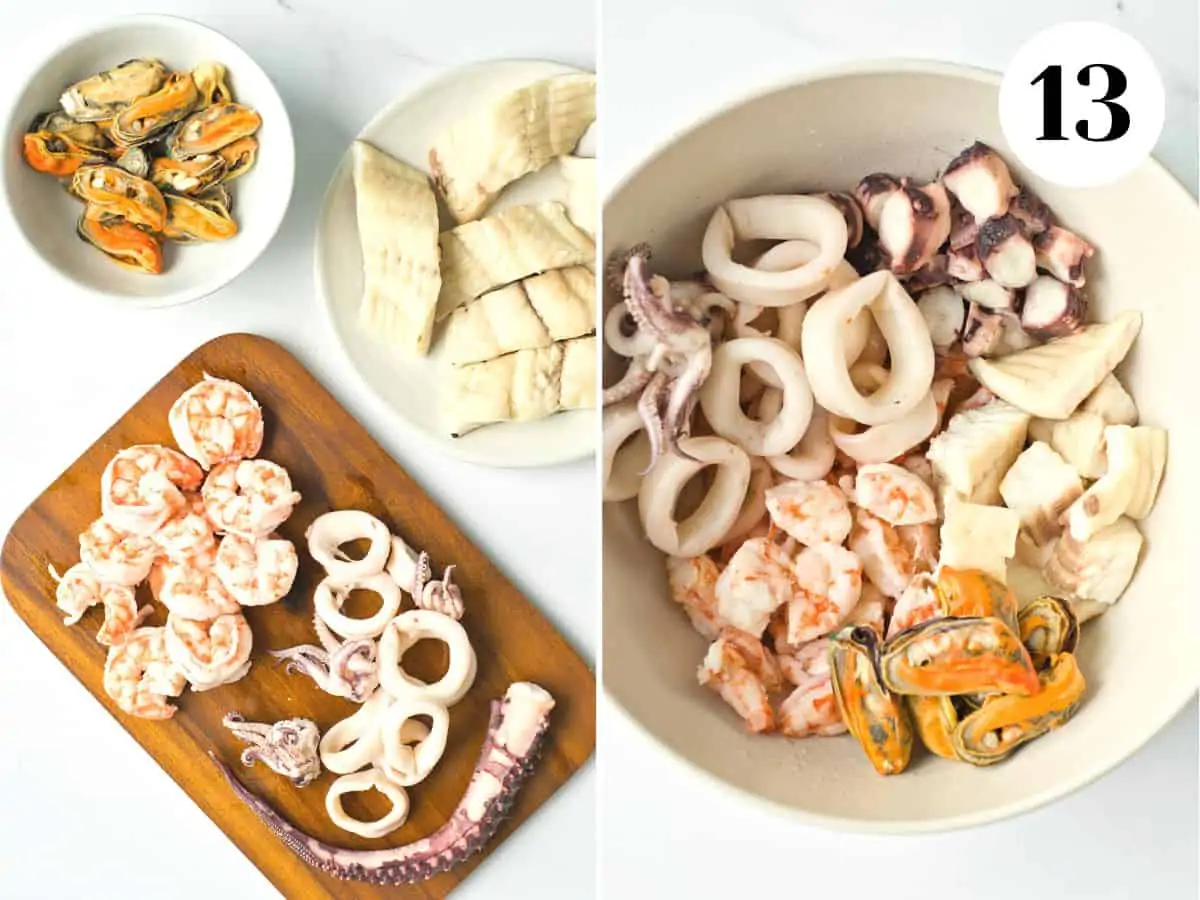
(1084, 775)
(184, 295)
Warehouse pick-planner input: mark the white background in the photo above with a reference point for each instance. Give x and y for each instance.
(84, 812)
(664, 832)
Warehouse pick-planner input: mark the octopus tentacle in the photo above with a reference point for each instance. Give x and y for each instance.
(347, 669)
(650, 408)
(443, 596)
(510, 750)
(614, 269)
(635, 379)
(648, 300)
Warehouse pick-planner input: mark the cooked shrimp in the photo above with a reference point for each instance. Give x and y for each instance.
(142, 486)
(193, 590)
(739, 668)
(78, 591)
(917, 604)
(869, 610)
(210, 652)
(894, 494)
(829, 584)
(116, 556)
(813, 512)
(924, 543)
(187, 534)
(139, 676)
(693, 582)
(217, 421)
(886, 559)
(121, 616)
(802, 663)
(256, 572)
(250, 498)
(811, 709)
(756, 582)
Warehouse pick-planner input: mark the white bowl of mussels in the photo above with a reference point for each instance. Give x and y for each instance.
(150, 161)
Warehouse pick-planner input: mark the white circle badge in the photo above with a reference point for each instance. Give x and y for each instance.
(1082, 104)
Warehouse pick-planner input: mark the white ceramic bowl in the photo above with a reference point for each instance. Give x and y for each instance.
(824, 132)
(46, 215)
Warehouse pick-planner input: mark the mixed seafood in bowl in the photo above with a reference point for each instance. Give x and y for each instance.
(887, 458)
(151, 153)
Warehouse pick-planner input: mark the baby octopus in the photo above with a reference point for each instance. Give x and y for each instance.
(669, 376)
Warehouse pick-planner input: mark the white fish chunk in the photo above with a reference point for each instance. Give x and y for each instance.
(1039, 487)
(1136, 457)
(516, 135)
(975, 451)
(398, 233)
(536, 312)
(1099, 568)
(979, 537)
(513, 244)
(1079, 439)
(580, 174)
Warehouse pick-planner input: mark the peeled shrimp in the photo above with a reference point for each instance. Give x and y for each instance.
(79, 589)
(139, 675)
(256, 572)
(739, 668)
(799, 664)
(894, 494)
(917, 604)
(757, 580)
(217, 421)
(142, 487)
(886, 559)
(194, 591)
(211, 652)
(813, 512)
(186, 534)
(811, 709)
(692, 582)
(250, 498)
(829, 580)
(116, 556)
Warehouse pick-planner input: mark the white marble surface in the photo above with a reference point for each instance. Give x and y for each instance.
(667, 833)
(86, 811)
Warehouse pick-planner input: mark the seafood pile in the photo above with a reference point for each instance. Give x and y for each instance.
(514, 290)
(199, 527)
(888, 458)
(151, 154)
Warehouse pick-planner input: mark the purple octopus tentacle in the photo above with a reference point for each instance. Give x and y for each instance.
(614, 269)
(635, 379)
(650, 408)
(651, 310)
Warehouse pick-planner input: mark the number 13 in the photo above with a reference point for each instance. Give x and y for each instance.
(1052, 111)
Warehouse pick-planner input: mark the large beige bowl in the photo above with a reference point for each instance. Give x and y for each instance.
(1140, 659)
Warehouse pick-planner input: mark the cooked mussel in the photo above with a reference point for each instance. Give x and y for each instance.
(212, 128)
(148, 118)
(239, 157)
(1047, 627)
(119, 193)
(105, 94)
(935, 719)
(971, 593)
(135, 161)
(946, 656)
(86, 134)
(878, 720)
(218, 194)
(125, 243)
(57, 154)
(996, 729)
(191, 219)
(187, 176)
(210, 78)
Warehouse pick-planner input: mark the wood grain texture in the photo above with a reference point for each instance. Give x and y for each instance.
(334, 464)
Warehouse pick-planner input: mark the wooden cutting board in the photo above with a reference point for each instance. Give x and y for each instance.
(334, 464)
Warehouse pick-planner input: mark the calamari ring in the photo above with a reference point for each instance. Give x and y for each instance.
(813, 457)
(719, 396)
(778, 217)
(660, 489)
(328, 532)
(410, 763)
(365, 781)
(406, 630)
(823, 344)
(754, 506)
(883, 443)
(618, 321)
(624, 460)
(355, 741)
(331, 594)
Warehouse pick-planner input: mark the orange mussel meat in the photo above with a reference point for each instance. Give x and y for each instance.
(948, 656)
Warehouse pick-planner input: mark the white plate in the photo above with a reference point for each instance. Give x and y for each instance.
(412, 387)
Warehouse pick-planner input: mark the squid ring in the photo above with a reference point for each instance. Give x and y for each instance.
(331, 594)
(624, 460)
(355, 742)
(779, 217)
(406, 630)
(410, 763)
(883, 443)
(355, 782)
(754, 507)
(616, 323)
(823, 344)
(719, 397)
(328, 532)
(660, 489)
(813, 457)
